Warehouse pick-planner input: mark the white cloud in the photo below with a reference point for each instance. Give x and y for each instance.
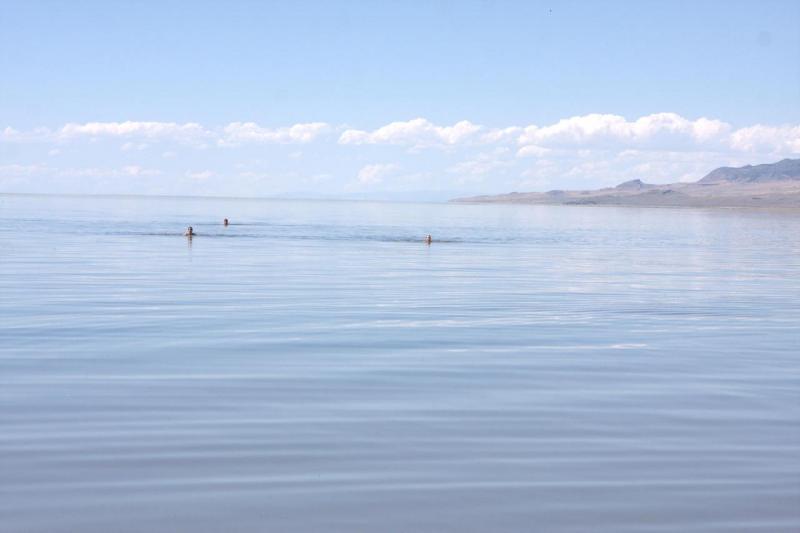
(660, 130)
(767, 139)
(533, 150)
(418, 132)
(189, 132)
(249, 132)
(498, 135)
(374, 174)
(577, 152)
(705, 129)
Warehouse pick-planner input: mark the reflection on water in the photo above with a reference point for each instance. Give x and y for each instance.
(320, 368)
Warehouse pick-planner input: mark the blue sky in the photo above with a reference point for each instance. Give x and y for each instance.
(390, 99)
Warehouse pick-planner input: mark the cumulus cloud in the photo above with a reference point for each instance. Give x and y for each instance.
(498, 135)
(418, 132)
(767, 139)
(533, 150)
(374, 174)
(578, 152)
(666, 130)
(659, 131)
(249, 132)
(189, 132)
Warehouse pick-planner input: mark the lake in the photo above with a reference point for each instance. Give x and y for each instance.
(315, 366)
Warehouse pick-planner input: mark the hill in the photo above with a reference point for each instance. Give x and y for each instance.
(767, 185)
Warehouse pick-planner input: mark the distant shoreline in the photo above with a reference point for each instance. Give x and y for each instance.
(768, 186)
(478, 200)
(790, 204)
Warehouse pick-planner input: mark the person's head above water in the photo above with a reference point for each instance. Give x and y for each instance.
(428, 239)
(189, 231)
(225, 221)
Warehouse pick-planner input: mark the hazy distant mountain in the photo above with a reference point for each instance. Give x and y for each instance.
(769, 185)
(788, 169)
(634, 185)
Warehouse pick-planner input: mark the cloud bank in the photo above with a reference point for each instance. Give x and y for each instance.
(659, 131)
(147, 130)
(248, 158)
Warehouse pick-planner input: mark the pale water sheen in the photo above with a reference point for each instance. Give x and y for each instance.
(316, 367)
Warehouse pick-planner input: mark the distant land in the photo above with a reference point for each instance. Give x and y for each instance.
(768, 185)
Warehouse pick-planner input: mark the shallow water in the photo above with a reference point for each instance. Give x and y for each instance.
(316, 367)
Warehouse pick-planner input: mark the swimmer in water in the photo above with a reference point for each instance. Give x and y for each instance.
(225, 222)
(189, 232)
(428, 239)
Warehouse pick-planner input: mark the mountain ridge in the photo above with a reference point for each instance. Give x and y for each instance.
(764, 185)
(785, 169)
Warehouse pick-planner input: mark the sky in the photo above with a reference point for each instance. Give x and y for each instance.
(390, 100)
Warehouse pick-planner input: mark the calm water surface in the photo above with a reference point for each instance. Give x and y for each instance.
(316, 367)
